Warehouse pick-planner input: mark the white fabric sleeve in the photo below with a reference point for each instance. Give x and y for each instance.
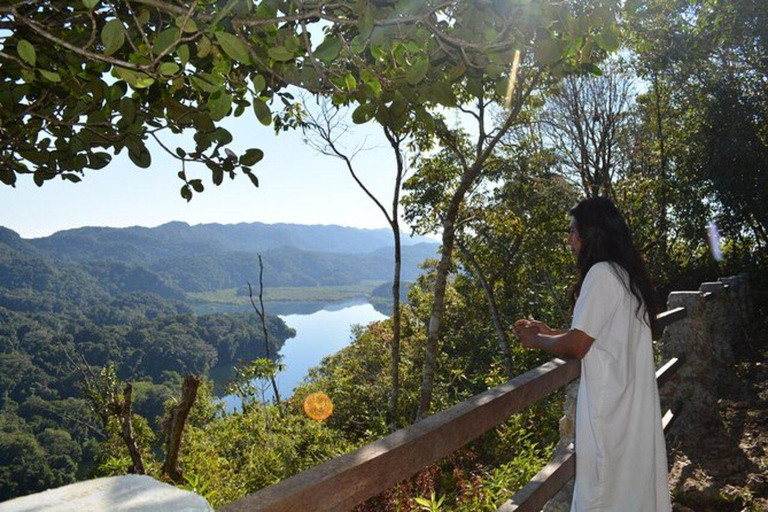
(598, 300)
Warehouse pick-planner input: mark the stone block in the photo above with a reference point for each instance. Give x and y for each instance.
(130, 493)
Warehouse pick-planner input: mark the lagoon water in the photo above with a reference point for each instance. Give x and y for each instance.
(318, 334)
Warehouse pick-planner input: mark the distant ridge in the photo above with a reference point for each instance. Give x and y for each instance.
(177, 258)
(143, 245)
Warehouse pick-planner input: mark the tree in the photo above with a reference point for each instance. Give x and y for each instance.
(325, 131)
(584, 120)
(706, 61)
(259, 310)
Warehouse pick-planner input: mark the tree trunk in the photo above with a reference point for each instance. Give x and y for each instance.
(263, 316)
(468, 177)
(126, 432)
(395, 362)
(176, 421)
(662, 225)
(490, 296)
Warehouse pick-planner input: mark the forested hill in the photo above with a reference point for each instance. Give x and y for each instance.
(176, 258)
(58, 319)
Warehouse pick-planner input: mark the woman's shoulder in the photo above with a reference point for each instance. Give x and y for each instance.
(607, 272)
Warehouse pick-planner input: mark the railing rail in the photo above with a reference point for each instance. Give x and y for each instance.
(344, 482)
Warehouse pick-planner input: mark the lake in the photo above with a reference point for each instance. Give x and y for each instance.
(318, 334)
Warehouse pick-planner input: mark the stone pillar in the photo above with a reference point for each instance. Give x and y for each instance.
(561, 502)
(722, 326)
(694, 383)
(738, 289)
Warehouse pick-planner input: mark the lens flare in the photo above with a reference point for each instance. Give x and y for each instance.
(714, 241)
(318, 406)
(512, 79)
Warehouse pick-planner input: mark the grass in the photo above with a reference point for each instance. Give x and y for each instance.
(290, 294)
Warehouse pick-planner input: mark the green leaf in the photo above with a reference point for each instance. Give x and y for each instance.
(129, 75)
(253, 178)
(371, 81)
(233, 47)
(189, 27)
(365, 23)
(608, 38)
(7, 176)
(183, 52)
(143, 83)
(26, 51)
(164, 40)
(280, 53)
(475, 88)
(112, 36)
(549, 51)
(197, 185)
(263, 113)
(443, 94)
(127, 109)
(418, 71)
(90, 4)
(169, 68)
(592, 69)
(350, 82)
(218, 174)
(219, 104)
(259, 84)
(186, 193)
(143, 159)
(328, 50)
(203, 47)
(51, 76)
(99, 160)
(74, 178)
(203, 84)
(358, 44)
(251, 157)
(364, 113)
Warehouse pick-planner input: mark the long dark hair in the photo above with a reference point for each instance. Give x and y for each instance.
(605, 237)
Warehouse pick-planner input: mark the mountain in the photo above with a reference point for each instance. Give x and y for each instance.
(175, 258)
(177, 239)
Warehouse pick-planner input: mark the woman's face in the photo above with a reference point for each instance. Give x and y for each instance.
(573, 242)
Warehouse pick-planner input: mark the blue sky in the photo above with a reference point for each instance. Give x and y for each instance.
(297, 185)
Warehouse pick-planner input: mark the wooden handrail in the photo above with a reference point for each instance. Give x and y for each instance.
(344, 482)
(668, 370)
(670, 416)
(670, 316)
(540, 489)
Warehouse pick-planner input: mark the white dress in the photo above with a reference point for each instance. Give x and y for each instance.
(621, 459)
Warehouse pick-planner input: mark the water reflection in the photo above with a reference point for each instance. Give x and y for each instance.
(319, 333)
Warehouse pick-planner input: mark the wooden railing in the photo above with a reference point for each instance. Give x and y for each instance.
(342, 483)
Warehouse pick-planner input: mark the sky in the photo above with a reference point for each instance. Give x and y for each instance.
(296, 185)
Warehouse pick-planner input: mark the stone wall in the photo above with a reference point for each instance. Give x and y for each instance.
(716, 316)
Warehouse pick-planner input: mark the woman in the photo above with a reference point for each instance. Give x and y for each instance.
(621, 461)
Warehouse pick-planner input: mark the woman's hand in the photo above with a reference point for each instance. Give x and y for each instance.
(526, 334)
(541, 326)
(526, 331)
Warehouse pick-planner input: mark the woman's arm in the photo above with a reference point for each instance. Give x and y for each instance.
(571, 344)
